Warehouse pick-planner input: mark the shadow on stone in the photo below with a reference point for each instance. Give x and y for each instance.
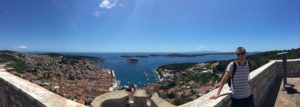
(225, 94)
(272, 95)
(292, 91)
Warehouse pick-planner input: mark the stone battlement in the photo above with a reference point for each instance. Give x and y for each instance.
(17, 92)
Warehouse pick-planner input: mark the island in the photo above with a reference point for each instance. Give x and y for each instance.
(136, 56)
(154, 55)
(189, 54)
(132, 60)
(76, 57)
(183, 55)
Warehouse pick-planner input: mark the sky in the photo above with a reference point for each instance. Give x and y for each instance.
(149, 25)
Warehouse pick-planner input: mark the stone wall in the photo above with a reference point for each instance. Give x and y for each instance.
(119, 98)
(266, 77)
(17, 92)
(261, 81)
(293, 67)
(14, 97)
(160, 102)
(110, 95)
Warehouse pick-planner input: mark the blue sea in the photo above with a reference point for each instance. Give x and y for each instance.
(143, 72)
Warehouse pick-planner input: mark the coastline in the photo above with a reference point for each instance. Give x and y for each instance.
(150, 65)
(116, 83)
(158, 79)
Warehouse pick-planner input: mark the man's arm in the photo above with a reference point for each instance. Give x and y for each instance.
(223, 81)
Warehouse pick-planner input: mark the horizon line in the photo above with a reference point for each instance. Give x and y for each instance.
(204, 51)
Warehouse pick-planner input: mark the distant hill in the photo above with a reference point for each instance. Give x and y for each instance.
(188, 54)
(91, 58)
(261, 58)
(256, 59)
(17, 60)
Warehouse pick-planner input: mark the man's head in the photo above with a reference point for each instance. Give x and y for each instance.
(241, 53)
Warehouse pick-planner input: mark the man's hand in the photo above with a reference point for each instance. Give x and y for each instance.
(214, 96)
(218, 85)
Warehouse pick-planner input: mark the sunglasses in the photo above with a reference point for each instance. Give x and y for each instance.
(238, 54)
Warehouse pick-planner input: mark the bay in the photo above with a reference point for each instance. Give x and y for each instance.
(143, 71)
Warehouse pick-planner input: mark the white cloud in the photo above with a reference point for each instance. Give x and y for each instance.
(97, 13)
(22, 47)
(108, 4)
(200, 47)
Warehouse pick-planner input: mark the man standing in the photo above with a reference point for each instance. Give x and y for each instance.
(239, 72)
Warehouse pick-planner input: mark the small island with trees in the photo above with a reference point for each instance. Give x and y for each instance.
(136, 56)
(132, 60)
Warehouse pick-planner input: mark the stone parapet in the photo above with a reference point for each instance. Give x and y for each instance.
(17, 92)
